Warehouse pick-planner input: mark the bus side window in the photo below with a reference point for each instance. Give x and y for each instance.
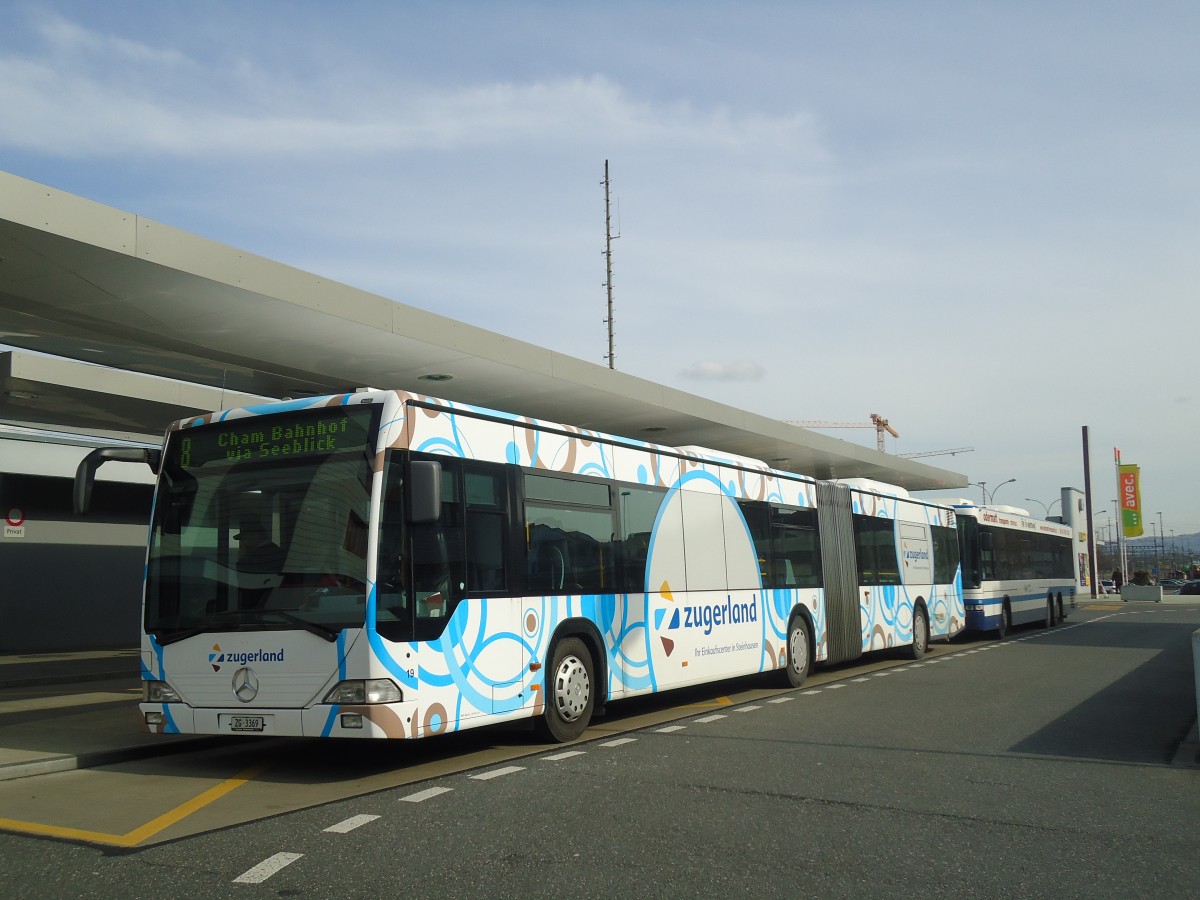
(486, 493)
(437, 560)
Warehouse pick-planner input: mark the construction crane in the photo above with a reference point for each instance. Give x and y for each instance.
(954, 451)
(878, 422)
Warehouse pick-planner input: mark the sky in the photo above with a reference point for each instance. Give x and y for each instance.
(979, 220)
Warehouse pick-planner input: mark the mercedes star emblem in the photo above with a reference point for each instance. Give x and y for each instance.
(245, 684)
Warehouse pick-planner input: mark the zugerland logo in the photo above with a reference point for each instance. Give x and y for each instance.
(241, 658)
(711, 615)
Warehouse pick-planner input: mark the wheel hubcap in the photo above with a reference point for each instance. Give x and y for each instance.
(798, 651)
(572, 688)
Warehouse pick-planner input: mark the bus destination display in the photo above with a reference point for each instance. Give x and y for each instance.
(275, 437)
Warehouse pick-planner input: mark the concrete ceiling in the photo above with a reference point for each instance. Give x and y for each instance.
(150, 324)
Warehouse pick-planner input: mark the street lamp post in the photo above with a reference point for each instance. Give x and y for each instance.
(982, 485)
(1045, 508)
(1000, 485)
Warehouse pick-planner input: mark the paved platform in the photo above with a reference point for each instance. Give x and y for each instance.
(62, 711)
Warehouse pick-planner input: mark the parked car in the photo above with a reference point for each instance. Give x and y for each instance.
(1108, 586)
(1170, 583)
(1190, 587)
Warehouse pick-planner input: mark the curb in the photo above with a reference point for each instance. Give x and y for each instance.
(35, 680)
(105, 757)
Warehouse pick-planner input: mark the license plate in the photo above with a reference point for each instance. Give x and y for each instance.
(247, 723)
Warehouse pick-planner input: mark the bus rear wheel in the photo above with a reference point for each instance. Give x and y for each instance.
(799, 656)
(570, 692)
(920, 641)
(1049, 612)
(1005, 621)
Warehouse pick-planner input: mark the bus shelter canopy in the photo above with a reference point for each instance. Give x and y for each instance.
(124, 324)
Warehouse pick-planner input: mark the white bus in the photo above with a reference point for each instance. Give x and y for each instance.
(385, 564)
(1016, 569)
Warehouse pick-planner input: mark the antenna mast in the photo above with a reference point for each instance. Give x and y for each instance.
(608, 239)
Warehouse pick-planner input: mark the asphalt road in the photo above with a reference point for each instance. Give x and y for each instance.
(1046, 765)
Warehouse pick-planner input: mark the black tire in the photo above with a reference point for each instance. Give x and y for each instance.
(799, 651)
(920, 642)
(570, 692)
(1062, 613)
(1005, 621)
(1049, 620)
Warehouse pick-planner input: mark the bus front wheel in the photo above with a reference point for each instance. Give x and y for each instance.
(1005, 621)
(799, 655)
(570, 692)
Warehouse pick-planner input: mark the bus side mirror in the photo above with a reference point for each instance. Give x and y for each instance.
(85, 474)
(424, 492)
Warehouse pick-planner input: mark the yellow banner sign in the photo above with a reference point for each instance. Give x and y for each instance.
(1131, 500)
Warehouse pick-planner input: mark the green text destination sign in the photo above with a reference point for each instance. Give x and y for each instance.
(283, 437)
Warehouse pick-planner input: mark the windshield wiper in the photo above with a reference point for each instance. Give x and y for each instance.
(244, 616)
(164, 637)
(319, 630)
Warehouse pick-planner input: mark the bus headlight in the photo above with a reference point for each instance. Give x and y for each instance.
(159, 692)
(372, 690)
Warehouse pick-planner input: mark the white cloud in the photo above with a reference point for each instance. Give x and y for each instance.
(86, 94)
(711, 370)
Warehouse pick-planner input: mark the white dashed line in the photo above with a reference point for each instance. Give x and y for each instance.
(496, 773)
(834, 687)
(351, 823)
(747, 708)
(713, 718)
(567, 754)
(880, 674)
(267, 868)
(860, 680)
(618, 742)
(782, 700)
(667, 729)
(429, 794)
(810, 693)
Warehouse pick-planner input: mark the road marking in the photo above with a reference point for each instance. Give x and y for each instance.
(833, 687)
(351, 823)
(881, 674)
(567, 754)
(496, 773)
(714, 718)
(618, 742)
(667, 729)
(716, 701)
(747, 708)
(144, 832)
(810, 693)
(267, 868)
(427, 794)
(860, 680)
(787, 699)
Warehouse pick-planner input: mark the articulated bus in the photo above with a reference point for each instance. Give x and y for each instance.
(389, 565)
(1016, 569)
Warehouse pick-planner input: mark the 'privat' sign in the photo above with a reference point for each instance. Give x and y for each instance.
(14, 523)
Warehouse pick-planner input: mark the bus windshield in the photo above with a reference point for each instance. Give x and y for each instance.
(261, 523)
